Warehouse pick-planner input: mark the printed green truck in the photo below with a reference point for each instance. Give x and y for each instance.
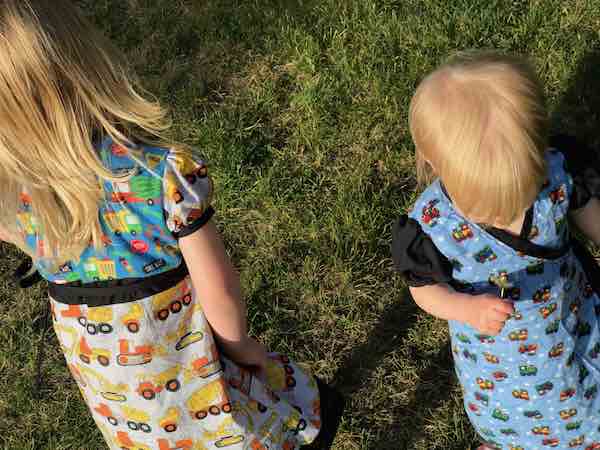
(100, 269)
(140, 189)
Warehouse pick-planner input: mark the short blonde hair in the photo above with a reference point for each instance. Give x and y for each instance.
(479, 122)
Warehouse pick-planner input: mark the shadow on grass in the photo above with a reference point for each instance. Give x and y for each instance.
(386, 336)
(436, 381)
(41, 323)
(578, 111)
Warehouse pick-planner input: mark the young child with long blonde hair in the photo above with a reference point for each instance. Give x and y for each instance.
(487, 246)
(145, 302)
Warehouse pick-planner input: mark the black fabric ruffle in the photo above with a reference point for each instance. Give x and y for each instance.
(583, 164)
(416, 257)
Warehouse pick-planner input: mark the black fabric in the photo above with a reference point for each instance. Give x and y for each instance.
(527, 224)
(25, 275)
(527, 247)
(197, 224)
(415, 255)
(103, 293)
(588, 263)
(583, 164)
(332, 409)
(41, 346)
(23, 268)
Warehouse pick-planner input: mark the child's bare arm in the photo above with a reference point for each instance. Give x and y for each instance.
(587, 219)
(4, 236)
(485, 313)
(217, 285)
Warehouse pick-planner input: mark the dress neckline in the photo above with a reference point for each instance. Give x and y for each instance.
(520, 243)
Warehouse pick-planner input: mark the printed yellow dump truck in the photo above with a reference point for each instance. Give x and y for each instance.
(88, 354)
(190, 168)
(171, 301)
(211, 398)
(136, 419)
(99, 384)
(132, 320)
(100, 269)
(294, 423)
(123, 222)
(280, 374)
(193, 171)
(170, 421)
(151, 385)
(98, 320)
(95, 320)
(171, 188)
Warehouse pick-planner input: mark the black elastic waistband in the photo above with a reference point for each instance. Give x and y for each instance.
(103, 293)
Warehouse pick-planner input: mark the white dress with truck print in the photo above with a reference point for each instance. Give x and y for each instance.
(134, 334)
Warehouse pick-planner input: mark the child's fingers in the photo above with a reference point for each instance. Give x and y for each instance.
(499, 316)
(495, 327)
(504, 307)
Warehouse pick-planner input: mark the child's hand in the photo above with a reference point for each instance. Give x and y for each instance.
(488, 314)
(248, 352)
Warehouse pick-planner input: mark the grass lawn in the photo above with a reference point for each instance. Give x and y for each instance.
(300, 106)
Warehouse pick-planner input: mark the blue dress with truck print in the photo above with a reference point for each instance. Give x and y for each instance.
(136, 242)
(535, 385)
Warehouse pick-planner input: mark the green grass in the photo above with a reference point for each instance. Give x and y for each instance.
(300, 106)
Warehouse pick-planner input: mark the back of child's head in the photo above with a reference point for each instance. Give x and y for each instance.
(479, 122)
(61, 83)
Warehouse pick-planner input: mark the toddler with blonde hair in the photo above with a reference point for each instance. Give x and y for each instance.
(146, 304)
(487, 247)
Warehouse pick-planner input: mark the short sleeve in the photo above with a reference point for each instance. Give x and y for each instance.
(582, 162)
(187, 193)
(416, 257)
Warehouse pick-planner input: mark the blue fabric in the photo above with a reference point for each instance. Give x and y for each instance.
(168, 193)
(535, 385)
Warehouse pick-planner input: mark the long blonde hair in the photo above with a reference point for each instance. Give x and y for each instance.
(61, 82)
(479, 122)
